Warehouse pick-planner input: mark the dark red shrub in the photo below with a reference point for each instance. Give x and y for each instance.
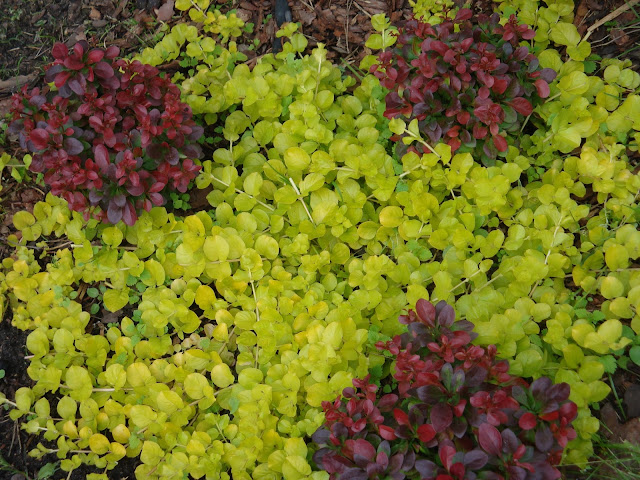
(113, 139)
(463, 86)
(454, 413)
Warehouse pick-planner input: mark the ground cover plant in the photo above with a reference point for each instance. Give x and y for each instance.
(235, 323)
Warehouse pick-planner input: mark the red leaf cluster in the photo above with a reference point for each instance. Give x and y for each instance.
(465, 80)
(452, 412)
(113, 139)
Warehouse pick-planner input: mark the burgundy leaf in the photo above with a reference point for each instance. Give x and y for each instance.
(441, 416)
(490, 439)
(40, 138)
(61, 78)
(426, 468)
(76, 86)
(426, 311)
(73, 146)
(540, 387)
(509, 441)
(500, 142)
(59, 51)
(382, 459)
(542, 87)
(446, 454)
(387, 401)
(73, 63)
(521, 105)
(446, 314)
(559, 392)
(321, 436)
(114, 212)
(333, 463)
(103, 70)
(112, 52)
(475, 459)
(439, 47)
(544, 439)
(548, 74)
(462, 15)
(401, 417)
(426, 433)
(363, 448)
(95, 56)
(101, 157)
(527, 421)
(129, 214)
(386, 432)
(354, 474)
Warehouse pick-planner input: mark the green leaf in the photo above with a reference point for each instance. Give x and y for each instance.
(634, 354)
(78, 380)
(23, 219)
(564, 33)
(183, 4)
(138, 374)
(580, 52)
(391, 216)
(142, 415)
(169, 402)
(151, 453)
(195, 385)
(115, 300)
(221, 375)
(296, 158)
(38, 343)
(611, 287)
(380, 22)
(112, 236)
(99, 444)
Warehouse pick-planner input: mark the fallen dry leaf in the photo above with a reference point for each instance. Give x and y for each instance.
(244, 15)
(121, 9)
(619, 36)
(165, 12)
(94, 14)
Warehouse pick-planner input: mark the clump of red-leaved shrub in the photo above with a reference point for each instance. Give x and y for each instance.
(466, 80)
(113, 134)
(454, 413)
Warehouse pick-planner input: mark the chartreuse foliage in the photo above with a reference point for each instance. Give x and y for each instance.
(237, 323)
(433, 11)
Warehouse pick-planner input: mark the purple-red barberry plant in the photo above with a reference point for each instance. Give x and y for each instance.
(455, 413)
(465, 80)
(114, 134)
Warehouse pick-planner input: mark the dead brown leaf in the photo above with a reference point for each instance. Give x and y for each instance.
(248, 6)
(165, 12)
(304, 15)
(94, 14)
(619, 36)
(244, 14)
(122, 8)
